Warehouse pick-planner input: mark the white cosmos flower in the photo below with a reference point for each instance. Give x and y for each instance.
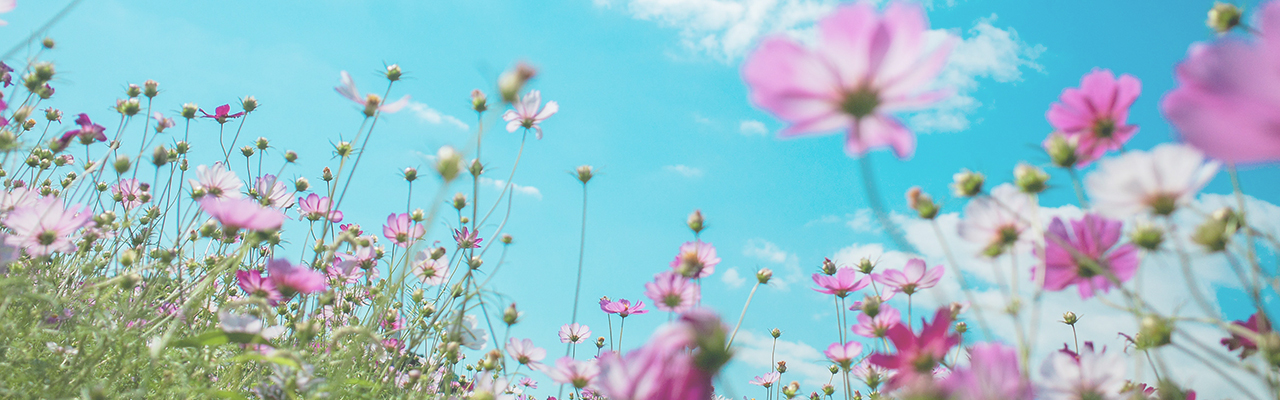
(1157, 181)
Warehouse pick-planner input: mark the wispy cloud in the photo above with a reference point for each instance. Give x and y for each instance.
(684, 170)
(786, 265)
(435, 117)
(515, 187)
(732, 278)
(752, 128)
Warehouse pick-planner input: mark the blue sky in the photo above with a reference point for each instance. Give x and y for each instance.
(650, 93)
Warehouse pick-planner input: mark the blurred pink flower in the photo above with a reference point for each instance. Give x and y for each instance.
(580, 374)
(1246, 345)
(1225, 103)
(216, 181)
(162, 123)
(526, 114)
(291, 278)
(992, 373)
(45, 226)
(131, 193)
(276, 193)
(7, 6)
(917, 354)
(525, 353)
(1096, 114)
(574, 333)
(678, 363)
(401, 230)
(623, 307)
(1088, 375)
(1087, 256)
(843, 354)
(878, 326)
(913, 277)
(867, 67)
(766, 380)
(349, 91)
(997, 222)
(222, 114)
(17, 197)
(254, 284)
(672, 292)
(241, 213)
(429, 271)
(696, 260)
(313, 208)
(1156, 181)
(842, 283)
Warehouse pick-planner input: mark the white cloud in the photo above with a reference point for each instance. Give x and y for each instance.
(435, 117)
(752, 128)
(786, 265)
(807, 362)
(515, 187)
(732, 278)
(684, 170)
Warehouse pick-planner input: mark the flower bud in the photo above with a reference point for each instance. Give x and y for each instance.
(291, 156)
(474, 262)
(511, 316)
(160, 156)
(775, 333)
(828, 389)
(1070, 318)
(476, 167)
(505, 238)
(47, 43)
(128, 107)
(327, 175)
(962, 327)
(1030, 179)
(956, 308)
(695, 222)
(150, 88)
(1223, 17)
(1154, 332)
(410, 174)
(922, 203)
(44, 71)
(122, 164)
(871, 306)
(782, 367)
(417, 215)
(511, 82)
(459, 201)
(247, 151)
(763, 276)
(828, 266)
(29, 124)
(189, 110)
(301, 184)
(834, 370)
(1061, 149)
(133, 90)
(52, 114)
(967, 183)
(478, 101)
(866, 266)
(1215, 232)
(437, 252)
(394, 72)
(585, 173)
(791, 389)
(249, 104)
(1147, 236)
(448, 163)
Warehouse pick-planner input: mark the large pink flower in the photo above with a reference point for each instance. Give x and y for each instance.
(527, 115)
(696, 260)
(313, 207)
(867, 67)
(45, 226)
(672, 292)
(678, 363)
(580, 374)
(878, 326)
(913, 277)
(843, 354)
(992, 373)
(291, 278)
(1227, 102)
(242, 213)
(402, 230)
(1087, 256)
(216, 181)
(842, 283)
(1096, 114)
(917, 354)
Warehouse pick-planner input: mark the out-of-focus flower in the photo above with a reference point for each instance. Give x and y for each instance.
(526, 113)
(88, 131)
(1157, 181)
(1087, 256)
(131, 193)
(401, 230)
(878, 326)
(313, 208)
(162, 123)
(868, 66)
(580, 374)
(525, 353)
(672, 292)
(574, 333)
(290, 278)
(992, 373)
(917, 354)
(243, 323)
(240, 213)
(843, 282)
(276, 193)
(997, 222)
(695, 260)
(1088, 375)
(254, 284)
(1096, 114)
(216, 181)
(843, 354)
(1243, 343)
(430, 272)
(678, 363)
(767, 380)
(473, 336)
(222, 113)
(623, 307)
(372, 103)
(45, 226)
(913, 277)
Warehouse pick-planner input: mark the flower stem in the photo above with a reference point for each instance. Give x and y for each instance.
(877, 207)
(743, 315)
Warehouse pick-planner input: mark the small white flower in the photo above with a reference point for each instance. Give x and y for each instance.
(1095, 376)
(1157, 181)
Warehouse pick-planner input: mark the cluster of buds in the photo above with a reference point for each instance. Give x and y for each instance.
(922, 203)
(37, 81)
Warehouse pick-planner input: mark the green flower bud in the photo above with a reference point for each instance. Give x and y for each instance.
(1147, 236)
(967, 183)
(1030, 179)
(478, 101)
(696, 222)
(585, 173)
(505, 239)
(150, 88)
(1061, 150)
(1223, 17)
(459, 201)
(393, 72)
(160, 156)
(922, 203)
(1070, 318)
(133, 90)
(249, 104)
(301, 184)
(448, 163)
(122, 164)
(764, 275)
(290, 156)
(189, 110)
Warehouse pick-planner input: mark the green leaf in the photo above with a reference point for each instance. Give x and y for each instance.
(260, 357)
(210, 338)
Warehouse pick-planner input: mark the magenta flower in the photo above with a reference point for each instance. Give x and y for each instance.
(313, 208)
(467, 240)
(222, 114)
(878, 326)
(843, 354)
(672, 292)
(526, 114)
(917, 354)
(240, 213)
(992, 373)
(623, 307)
(867, 67)
(216, 181)
(696, 260)
(767, 380)
(580, 374)
(344, 270)
(1225, 102)
(292, 279)
(674, 365)
(254, 284)
(524, 352)
(1087, 256)
(130, 193)
(88, 131)
(574, 333)
(842, 283)
(371, 102)
(913, 277)
(45, 226)
(276, 193)
(401, 230)
(1245, 344)
(1096, 114)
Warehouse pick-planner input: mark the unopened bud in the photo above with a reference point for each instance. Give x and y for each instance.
(511, 316)
(160, 156)
(189, 110)
(133, 90)
(247, 151)
(327, 174)
(1223, 17)
(511, 82)
(150, 88)
(1147, 236)
(967, 183)
(459, 201)
(301, 184)
(764, 275)
(249, 104)
(782, 367)
(393, 72)
(262, 143)
(52, 114)
(828, 266)
(122, 164)
(775, 332)
(410, 174)
(1030, 179)
(505, 239)
(696, 222)
(962, 327)
(478, 101)
(448, 163)
(922, 203)
(1070, 318)
(1061, 150)
(585, 173)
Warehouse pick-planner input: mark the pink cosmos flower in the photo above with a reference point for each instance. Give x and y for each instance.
(131, 193)
(580, 374)
(254, 284)
(677, 363)
(997, 222)
(276, 193)
(162, 123)
(88, 131)
(401, 230)
(529, 383)
(1246, 345)
(45, 226)
(222, 114)
(574, 333)
(696, 260)
(292, 279)
(350, 267)
(871, 374)
(917, 354)
(913, 277)
(525, 353)
(867, 67)
(313, 208)
(467, 240)
(842, 283)
(623, 307)
(17, 197)
(526, 114)
(672, 292)
(343, 271)
(992, 373)
(240, 213)
(1087, 256)
(371, 102)
(1225, 102)
(430, 272)
(1096, 114)
(878, 326)
(216, 181)
(767, 380)
(843, 354)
